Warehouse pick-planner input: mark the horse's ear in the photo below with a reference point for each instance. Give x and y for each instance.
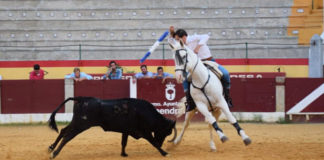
(181, 43)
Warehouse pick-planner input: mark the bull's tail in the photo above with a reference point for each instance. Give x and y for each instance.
(51, 121)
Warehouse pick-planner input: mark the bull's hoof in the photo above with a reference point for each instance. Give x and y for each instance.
(224, 139)
(247, 141)
(124, 155)
(50, 149)
(164, 154)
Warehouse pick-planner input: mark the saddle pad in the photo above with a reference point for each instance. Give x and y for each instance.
(213, 66)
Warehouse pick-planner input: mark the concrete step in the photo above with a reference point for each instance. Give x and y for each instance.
(255, 51)
(143, 34)
(145, 43)
(142, 24)
(140, 4)
(134, 14)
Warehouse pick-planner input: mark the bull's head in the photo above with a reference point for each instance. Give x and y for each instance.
(160, 136)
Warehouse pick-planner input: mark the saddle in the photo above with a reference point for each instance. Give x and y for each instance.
(213, 66)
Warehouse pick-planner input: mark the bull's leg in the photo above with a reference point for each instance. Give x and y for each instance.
(59, 137)
(234, 122)
(186, 122)
(66, 138)
(124, 143)
(150, 138)
(211, 120)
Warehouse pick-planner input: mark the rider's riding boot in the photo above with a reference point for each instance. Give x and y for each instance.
(227, 97)
(190, 104)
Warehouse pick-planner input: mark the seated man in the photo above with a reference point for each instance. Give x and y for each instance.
(78, 76)
(37, 73)
(113, 72)
(144, 73)
(161, 75)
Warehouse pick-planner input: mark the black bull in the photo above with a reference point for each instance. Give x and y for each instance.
(134, 117)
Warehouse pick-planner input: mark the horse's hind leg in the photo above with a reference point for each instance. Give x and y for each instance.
(234, 122)
(188, 117)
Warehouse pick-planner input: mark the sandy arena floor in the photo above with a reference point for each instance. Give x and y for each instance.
(269, 141)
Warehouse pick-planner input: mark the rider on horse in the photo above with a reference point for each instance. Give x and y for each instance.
(198, 44)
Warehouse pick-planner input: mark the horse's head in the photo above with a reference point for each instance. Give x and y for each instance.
(181, 55)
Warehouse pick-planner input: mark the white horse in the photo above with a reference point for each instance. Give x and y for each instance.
(206, 90)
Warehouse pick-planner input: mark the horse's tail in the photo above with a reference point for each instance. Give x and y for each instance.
(51, 121)
(181, 107)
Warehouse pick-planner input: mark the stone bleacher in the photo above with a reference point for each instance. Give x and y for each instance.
(55, 29)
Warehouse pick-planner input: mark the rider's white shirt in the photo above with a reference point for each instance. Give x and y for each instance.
(194, 40)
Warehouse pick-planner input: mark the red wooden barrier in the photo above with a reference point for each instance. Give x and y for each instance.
(298, 88)
(253, 95)
(105, 89)
(31, 96)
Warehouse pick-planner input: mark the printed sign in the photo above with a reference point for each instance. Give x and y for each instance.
(164, 96)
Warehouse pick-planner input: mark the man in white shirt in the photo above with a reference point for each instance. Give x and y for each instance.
(198, 43)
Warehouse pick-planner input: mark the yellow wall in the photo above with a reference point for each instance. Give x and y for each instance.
(60, 72)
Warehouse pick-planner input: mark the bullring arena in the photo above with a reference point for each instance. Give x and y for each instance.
(273, 50)
(270, 141)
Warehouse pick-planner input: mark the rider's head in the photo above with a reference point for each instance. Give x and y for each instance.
(180, 34)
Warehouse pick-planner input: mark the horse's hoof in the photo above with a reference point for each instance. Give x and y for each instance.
(247, 141)
(224, 139)
(213, 150)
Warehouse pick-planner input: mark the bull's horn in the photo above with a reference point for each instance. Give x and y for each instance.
(175, 134)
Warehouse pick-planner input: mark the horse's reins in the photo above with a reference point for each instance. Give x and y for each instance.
(203, 87)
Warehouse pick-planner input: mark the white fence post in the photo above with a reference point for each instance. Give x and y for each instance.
(68, 92)
(315, 59)
(280, 94)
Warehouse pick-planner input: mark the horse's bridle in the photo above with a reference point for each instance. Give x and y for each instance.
(185, 67)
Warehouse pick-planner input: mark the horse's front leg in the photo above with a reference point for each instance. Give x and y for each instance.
(211, 142)
(224, 107)
(202, 108)
(188, 117)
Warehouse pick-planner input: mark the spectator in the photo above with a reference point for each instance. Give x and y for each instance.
(144, 73)
(113, 72)
(161, 75)
(78, 76)
(322, 37)
(0, 77)
(37, 73)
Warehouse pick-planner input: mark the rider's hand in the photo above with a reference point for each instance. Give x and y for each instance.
(171, 30)
(196, 50)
